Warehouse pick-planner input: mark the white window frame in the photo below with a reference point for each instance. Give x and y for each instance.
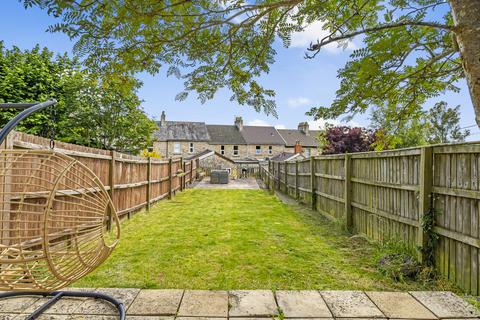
(191, 147)
(235, 151)
(270, 150)
(258, 149)
(307, 152)
(177, 148)
(222, 150)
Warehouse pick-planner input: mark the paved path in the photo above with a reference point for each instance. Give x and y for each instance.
(249, 183)
(254, 304)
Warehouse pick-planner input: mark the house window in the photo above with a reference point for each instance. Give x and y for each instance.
(258, 149)
(235, 150)
(270, 150)
(307, 152)
(222, 149)
(191, 148)
(176, 147)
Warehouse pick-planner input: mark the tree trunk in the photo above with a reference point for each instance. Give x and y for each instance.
(466, 15)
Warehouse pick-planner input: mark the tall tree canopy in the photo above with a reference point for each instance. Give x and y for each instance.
(89, 112)
(440, 124)
(410, 54)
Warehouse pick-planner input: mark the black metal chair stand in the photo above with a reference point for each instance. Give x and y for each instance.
(57, 295)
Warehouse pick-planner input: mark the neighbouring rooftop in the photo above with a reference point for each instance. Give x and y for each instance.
(235, 134)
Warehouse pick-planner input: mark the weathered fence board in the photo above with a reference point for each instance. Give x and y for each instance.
(384, 195)
(132, 182)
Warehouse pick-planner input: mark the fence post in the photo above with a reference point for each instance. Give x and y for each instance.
(297, 194)
(182, 178)
(426, 182)
(285, 168)
(313, 187)
(348, 192)
(191, 171)
(149, 184)
(170, 178)
(111, 182)
(5, 188)
(279, 179)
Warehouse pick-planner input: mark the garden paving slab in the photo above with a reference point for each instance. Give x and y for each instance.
(202, 318)
(16, 305)
(66, 305)
(44, 317)
(252, 303)
(161, 302)
(302, 304)
(445, 304)
(351, 304)
(101, 307)
(204, 303)
(400, 305)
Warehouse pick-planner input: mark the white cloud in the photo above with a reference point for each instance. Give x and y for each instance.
(298, 102)
(258, 123)
(313, 33)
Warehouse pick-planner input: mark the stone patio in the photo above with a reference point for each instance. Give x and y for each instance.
(248, 183)
(251, 304)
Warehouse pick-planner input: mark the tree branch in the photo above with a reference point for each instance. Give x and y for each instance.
(330, 39)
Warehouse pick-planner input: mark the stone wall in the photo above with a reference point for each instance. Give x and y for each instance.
(166, 148)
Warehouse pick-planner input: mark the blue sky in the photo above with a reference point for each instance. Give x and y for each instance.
(298, 82)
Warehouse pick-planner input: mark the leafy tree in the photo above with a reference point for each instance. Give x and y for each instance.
(343, 139)
(31, 76)
(439, 125)
(104, 114)
(394, 130)
(414, 49)
(444, 124)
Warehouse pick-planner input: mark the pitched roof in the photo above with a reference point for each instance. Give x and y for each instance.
(181, 130)
(199, 155)
(286, 156)
(224, 134)
(261, 135)
(291, 136)
(246, 160)
(206, 154)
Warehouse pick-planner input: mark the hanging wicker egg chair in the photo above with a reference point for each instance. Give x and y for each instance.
(55, 221)
(54, 216)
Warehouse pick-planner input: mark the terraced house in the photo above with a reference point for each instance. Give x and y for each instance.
(238, 142)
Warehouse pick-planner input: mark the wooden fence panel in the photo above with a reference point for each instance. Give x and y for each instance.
(133, 182)
(329, 179)
(304, 186)
(457, 200)
(384, 195)
(384, 191)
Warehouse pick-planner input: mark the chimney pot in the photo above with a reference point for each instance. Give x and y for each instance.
(163, 121)
(304, 128)
(239, 123)
(298, 147)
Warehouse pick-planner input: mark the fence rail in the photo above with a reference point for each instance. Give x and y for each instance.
(384, 195)
(133, 182)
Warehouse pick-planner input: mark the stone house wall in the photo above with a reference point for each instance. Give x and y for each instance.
(167, 148)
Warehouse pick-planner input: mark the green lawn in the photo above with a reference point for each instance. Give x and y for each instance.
(238, 239)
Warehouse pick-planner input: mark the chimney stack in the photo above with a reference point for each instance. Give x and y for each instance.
(239, 123)
(298, 147)
(163, 122)
(304, 127)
